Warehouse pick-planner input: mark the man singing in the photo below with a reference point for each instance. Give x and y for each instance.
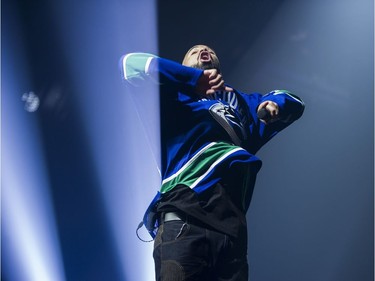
(210, 135)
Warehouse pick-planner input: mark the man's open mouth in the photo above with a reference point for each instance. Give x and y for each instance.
(205, 56)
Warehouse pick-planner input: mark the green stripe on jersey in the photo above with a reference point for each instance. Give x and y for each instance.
(196, 169)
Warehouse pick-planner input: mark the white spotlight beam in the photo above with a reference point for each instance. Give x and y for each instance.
(30, 247)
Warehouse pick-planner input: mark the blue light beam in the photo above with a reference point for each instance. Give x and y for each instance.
(30, 247)
(123, 138)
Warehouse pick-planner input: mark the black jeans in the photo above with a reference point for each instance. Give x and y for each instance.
(186, 252)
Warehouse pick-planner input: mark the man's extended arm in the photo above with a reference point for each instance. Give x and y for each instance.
(139, 67)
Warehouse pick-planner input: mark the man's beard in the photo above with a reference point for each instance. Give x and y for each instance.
(207, 65)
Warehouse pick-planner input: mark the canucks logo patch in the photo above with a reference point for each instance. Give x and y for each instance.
(229, 120)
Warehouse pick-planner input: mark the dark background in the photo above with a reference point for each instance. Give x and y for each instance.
(311, 217)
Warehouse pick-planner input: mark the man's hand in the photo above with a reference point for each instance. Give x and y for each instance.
(210, 82)
(273, 110)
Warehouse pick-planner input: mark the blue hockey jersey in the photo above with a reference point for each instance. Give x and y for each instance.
(206, 138)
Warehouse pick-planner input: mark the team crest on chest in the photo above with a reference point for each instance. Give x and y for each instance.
(226, 116)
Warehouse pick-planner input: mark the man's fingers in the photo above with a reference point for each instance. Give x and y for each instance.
(215, 79)
(215, 82)
(272, 108)
(228, 89)
(221, 86)
(218, 85)
(213, 73)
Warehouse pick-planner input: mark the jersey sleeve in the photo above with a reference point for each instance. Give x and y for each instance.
(137, 68)
(291, 107)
